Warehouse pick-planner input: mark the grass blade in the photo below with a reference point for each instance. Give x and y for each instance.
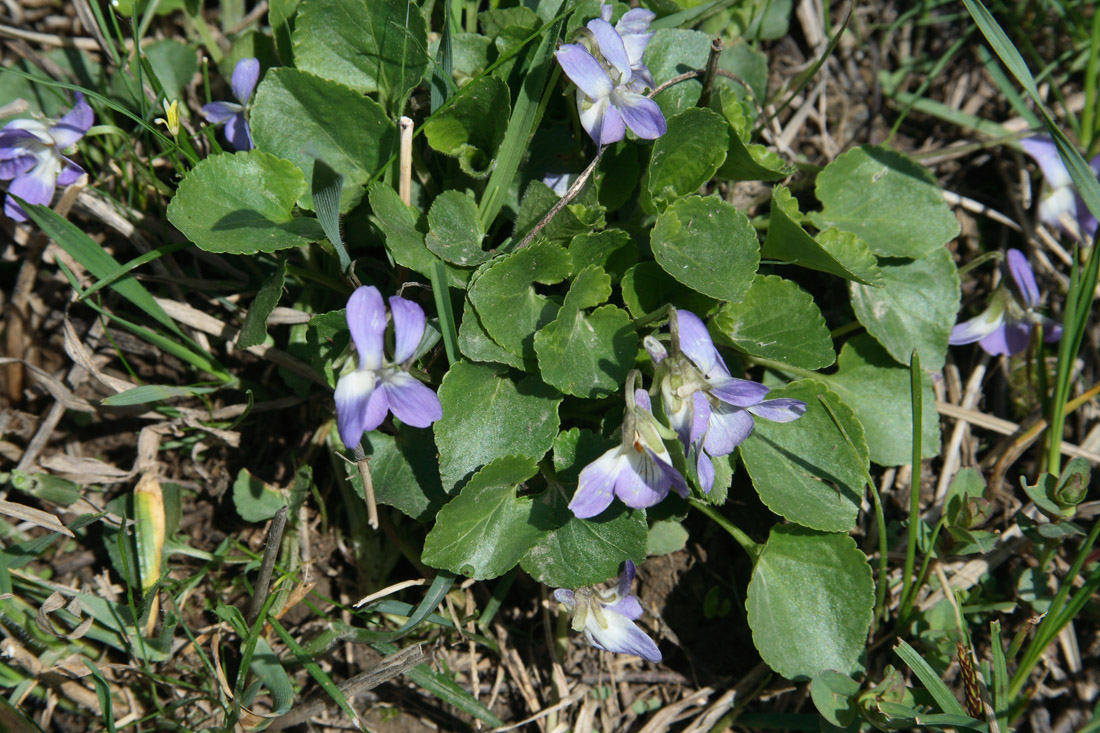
(947, 702)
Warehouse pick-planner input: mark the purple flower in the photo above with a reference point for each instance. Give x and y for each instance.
(1004, 327)
(610, 79)
(364, 397)
(30, 156)
(245, 76)
(1062, 206)
(710, 410)
(607, 617)
(639, 470)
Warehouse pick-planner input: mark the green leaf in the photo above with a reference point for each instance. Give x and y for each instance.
(612, 249)
(97, 260)
(665, 537)
(254, 329)
(877, 389)
(174, 63)
(487, 415)
(300, 117)
(403, 234)
(708, 245)
(580, 217)
(147, 393)
(940, 692)
(326, 338)
(838, 253)
(243, 204)
(486, 529)
(834, 696)
(473, 126)
(891, 202)
(671, 52)
(809, 602)
(255, 500)
(684, 158)
(914, 309)
(578, 552)
(804, 470)
(646, 287)
(454, 233)
(378, 46)
(404, 471)
(476, 345)
(510, 308)
(746, 161)
(587, 354)
(778, 320)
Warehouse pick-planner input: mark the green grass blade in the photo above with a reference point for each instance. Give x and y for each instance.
(314, 670)
(947, 702)
(445, 312)
(132, 265)
(1000, 676)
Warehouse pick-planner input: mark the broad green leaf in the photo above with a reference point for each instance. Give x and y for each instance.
(646, 287)
(581, 216)
(254, 329)
(587, 354)
(838, 253)
(834, 696)
(612, 249)
(684, 158)
(708, 245)
(504, 295)
(914, 309)
(301, 117)
(746, 161)
(804, 470)
(877, 390)
(255, 500)
(403, 231)
(242, 204)
(476, 345)
(574, 449)
(578, 552)
(453, 231)
(778, 320)
(404, 471)
(174, 63)
(665, 537)
(326, 339)
(377, 46)
(486, 529)
(671, 52)
(891, 202)
(487, 415)
(809, 602)
(473, 126)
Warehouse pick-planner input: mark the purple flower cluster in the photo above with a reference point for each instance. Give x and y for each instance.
(709, 411)
(611, 77)
(1062, 207)
(31, 156)
(377, 387)
(245, 75)
(606, 618)
(1004, 327)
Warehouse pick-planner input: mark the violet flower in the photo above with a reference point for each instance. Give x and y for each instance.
(30, 156)
(245, 75)
(364, 397)
(639, 470)
(611, 77)
(606, 618)
(1004, 327)
(710, 410)
(1062, 204)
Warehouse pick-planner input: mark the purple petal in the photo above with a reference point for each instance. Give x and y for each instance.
(238, 134)
(1045, 153)
(1023, 276)
(37, 185)
(628, 606)
(612, 129)
(641, 399)
(73, 125)
(782, 409)
(216, 112)
(606, 11)
(642, 79)
(1052, 331)
(642, 115)
(978, 327)
(366, 316)
(1056, 204)
(704, 469)
(1086, 222)
(695, 342)
(700, 419)
(656, 350)
(584, 71)
(630, 570)
(70, 174)
(738, 392)
(565, 597)
(596, 484)
(634, 22)
(353, 394)
(13, 210)
(642, 483)
(408, 328)
(245, 75)
(1011, 338)
(16, 166)
(729, 426)
(611, 46)
(412, 403)
(621, 636)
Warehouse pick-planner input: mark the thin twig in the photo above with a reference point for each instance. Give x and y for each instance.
(267, 565)
(563, 201)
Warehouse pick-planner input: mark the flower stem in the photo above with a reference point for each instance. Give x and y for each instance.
(752, 548)
(914, 480)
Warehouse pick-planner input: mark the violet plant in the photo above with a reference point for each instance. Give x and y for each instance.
(234, 114)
